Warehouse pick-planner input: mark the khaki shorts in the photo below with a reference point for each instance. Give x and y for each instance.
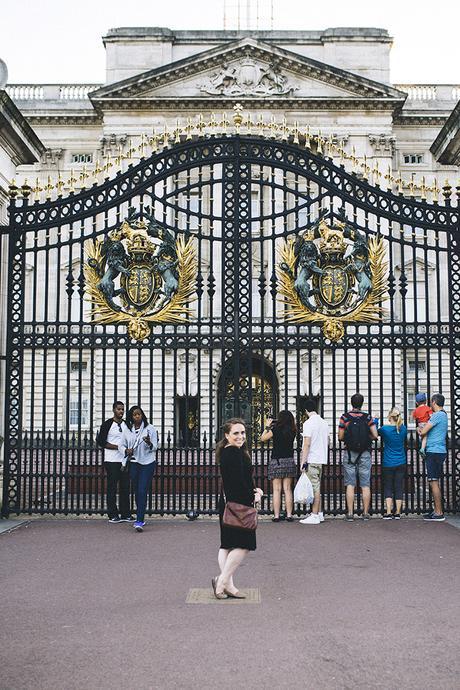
(314, 473)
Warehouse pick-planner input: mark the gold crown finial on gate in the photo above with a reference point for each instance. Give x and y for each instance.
(267, 128)
(237, 116)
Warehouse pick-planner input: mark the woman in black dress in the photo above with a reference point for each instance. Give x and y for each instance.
(236, 469)
(282, 468)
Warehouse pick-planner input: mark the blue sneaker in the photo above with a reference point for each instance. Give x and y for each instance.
(139, 526)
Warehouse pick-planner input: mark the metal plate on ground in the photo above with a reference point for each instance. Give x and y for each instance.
(206, 596)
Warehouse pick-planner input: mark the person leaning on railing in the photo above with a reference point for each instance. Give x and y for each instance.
(393, 435)
(282, 468)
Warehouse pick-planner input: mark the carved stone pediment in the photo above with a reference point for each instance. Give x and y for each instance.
(248, 77)
(245, 69)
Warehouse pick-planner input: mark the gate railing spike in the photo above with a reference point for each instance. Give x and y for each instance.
(37, 189)
(268, 128)
(435, 191)
(84, 175)
(48, 188)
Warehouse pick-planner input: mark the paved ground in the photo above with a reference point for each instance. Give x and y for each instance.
(88, 605)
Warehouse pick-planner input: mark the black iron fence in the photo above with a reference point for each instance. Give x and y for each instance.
(65, 475)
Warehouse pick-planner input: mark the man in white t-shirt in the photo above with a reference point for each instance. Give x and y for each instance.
(315, 450)
(110, 438)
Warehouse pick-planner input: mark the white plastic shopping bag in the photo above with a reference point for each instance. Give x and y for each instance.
(303, 492)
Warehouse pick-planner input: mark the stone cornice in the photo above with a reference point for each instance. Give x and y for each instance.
(83, 119)
(194, 65)
(404, 119)
(446, 146)
(165, 34)
(16, 135)
(196, 105)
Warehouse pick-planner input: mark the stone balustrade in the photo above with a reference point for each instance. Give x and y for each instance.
(50, 92)
(430, 92)
(78, 92)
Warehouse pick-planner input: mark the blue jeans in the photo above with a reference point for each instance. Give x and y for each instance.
(141, 479)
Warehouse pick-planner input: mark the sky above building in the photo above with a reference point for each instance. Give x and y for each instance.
(49, 41)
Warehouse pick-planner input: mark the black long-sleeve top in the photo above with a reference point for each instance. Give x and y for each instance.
(236, 472)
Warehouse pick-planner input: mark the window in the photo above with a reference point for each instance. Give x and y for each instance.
(410, 402)
(194, 207)
(419, 366)
(82, 157)
(187, 425)
(413, 158)
(76, 367)
(78, 411)
(415, 300)
(414, 232)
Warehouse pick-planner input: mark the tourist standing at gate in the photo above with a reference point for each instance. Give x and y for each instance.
(109, 438)
(282, 468)
(393, 435)
(315, 451)
(139, 443)
(436, 452)
(236, 473)
(357, 429)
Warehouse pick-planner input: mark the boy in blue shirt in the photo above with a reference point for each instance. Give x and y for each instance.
(436, 452)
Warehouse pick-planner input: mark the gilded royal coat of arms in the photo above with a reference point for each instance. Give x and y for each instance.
(139, 275)
(332, 275)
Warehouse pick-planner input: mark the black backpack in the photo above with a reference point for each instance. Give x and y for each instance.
(357, 436)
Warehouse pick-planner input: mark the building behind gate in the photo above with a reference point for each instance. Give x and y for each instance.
(235, 145)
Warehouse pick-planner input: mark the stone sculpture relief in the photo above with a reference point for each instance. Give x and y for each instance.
(246, 78)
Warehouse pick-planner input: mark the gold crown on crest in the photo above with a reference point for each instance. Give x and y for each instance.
(332, 240)
(139, 244)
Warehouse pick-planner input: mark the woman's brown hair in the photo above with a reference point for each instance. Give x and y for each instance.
(226, 428)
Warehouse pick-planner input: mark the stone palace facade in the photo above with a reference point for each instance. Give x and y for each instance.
(335, 81)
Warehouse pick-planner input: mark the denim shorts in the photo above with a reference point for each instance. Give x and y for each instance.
(434, 465)
(361, 469)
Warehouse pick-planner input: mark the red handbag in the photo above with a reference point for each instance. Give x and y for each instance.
(240, 516)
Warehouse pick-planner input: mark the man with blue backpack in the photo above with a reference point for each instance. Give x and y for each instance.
(357, 430)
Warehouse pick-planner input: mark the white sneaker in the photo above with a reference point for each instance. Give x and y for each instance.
(313, 519)
(321, 516)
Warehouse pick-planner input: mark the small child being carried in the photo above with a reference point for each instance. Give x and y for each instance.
(421, 415)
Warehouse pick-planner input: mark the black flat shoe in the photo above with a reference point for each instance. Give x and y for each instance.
(290, 519)
(275, 519)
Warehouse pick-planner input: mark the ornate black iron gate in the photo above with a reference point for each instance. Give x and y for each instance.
(237, 201)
